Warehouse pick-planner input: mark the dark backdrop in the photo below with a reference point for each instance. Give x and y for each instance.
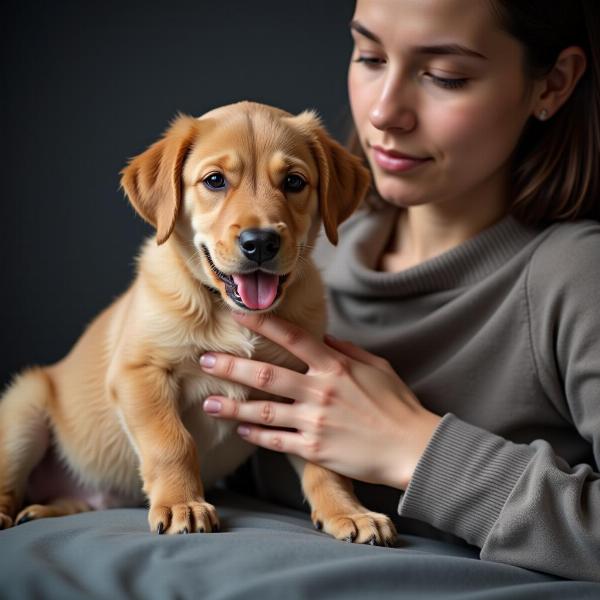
(84, 86)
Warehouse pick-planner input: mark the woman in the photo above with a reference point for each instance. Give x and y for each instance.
(474, 281)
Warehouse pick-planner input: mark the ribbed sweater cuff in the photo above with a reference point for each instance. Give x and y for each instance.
(463, 479)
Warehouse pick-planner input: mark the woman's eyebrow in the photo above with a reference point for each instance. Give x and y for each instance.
(364, 31)
(455, 49)
(449, 49)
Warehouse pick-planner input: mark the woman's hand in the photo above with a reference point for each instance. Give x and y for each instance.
(351, 412)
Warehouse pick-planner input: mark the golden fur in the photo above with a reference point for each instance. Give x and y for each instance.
(121, 412)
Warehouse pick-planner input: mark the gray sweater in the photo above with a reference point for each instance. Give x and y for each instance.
(501, 336)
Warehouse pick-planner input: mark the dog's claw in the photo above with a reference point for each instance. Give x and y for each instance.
(318, 525)
(24, 519)
(184, 530)
(160, 529)
(372, 541)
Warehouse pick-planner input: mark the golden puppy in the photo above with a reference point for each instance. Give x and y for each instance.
(236, 197)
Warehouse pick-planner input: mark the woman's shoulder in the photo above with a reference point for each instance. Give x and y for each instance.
(568, 253)
(569, 240)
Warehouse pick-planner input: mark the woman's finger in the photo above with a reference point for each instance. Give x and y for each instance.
(296, 340)
(273, 439)
(259, 412)
(260, 375)
(357, 353)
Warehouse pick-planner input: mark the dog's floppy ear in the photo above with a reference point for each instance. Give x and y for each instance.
(152, 180)
(343, 180)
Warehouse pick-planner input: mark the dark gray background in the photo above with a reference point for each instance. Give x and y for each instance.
(86, 85)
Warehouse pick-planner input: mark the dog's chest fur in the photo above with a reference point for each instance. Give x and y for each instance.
(219, 448)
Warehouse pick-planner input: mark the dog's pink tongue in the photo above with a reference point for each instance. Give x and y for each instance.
(258, 289)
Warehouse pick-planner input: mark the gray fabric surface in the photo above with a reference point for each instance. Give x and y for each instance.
(264, 551)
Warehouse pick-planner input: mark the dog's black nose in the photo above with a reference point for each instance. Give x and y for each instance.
(259, 245)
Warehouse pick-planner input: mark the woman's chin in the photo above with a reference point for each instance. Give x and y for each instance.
(399, 193)
(400, 198)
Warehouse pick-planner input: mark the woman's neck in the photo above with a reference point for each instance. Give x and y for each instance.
(423, 232)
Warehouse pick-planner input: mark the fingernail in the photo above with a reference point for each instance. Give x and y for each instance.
(243, 430)
(239, 314)
(212, 405)
(208, 360)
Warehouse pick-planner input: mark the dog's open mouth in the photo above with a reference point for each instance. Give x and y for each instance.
(257, 290)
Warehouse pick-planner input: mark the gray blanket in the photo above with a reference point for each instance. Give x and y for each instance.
(264, 551)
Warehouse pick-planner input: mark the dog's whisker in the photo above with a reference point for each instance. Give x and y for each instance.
(303, 264)
(196, 255)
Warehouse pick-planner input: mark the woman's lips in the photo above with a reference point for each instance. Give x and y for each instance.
(393, 161)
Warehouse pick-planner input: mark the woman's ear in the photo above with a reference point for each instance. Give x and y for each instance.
(343, 180)
(558, 85)
(152, 180)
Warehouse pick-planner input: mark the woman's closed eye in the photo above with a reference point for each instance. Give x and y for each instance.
(449, 83)
(369, 60)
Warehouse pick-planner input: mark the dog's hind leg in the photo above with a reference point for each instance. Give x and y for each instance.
(57, 508)
(24, 436)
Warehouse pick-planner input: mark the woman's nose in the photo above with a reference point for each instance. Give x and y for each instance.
(393, 108)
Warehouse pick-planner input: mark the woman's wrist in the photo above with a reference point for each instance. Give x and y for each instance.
(420, 434)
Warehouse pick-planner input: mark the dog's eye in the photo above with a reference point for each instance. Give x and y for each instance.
(294, 183)
(214, 181)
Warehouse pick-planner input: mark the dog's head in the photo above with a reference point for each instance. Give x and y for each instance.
(242, 190)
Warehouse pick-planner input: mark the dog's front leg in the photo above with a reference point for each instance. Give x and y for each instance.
(336, 509)
(146, 397)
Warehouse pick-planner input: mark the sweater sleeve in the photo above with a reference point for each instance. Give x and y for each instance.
(521, 503)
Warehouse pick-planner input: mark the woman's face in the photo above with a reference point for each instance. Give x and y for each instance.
(439, 98)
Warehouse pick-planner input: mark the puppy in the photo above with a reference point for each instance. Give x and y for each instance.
(237, 197)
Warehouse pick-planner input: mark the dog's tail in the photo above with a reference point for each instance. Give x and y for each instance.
(24, 433)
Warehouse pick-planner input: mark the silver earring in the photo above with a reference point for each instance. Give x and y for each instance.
(543, 114)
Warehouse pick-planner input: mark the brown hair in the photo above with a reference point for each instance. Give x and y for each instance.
(556, 164)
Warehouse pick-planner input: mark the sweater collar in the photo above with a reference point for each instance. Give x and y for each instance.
(352, 267)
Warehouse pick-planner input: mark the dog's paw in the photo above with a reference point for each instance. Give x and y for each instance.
(5, 521)
(361, 527)
(184, 517)
(33, 512)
